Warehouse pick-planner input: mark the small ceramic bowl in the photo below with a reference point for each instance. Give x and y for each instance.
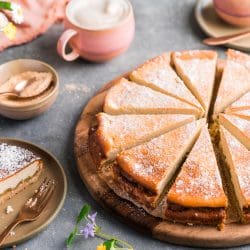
(235, 12)
(21, 109)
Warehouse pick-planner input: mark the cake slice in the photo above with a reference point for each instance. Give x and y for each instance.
(158, 74)
(242, 103)
(120, 132)
(19, 168)
(197, 68)
(143, 173)
(235, 80)
(197, 195)
(127, 97)
(238, 161)
(244, 114)
(239, 127)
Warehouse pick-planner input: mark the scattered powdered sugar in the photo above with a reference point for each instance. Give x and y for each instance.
(13, 158)
(76, 88)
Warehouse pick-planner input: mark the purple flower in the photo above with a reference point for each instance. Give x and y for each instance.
(92, 217)
(88, 231)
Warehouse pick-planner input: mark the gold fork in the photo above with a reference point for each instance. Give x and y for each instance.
(32, 208)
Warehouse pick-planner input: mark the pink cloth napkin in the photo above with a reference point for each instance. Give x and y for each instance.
(39, 15)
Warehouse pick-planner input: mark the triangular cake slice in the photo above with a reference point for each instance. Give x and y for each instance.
(197, 195)
(19, 168)
(127, 97)
(142, 173)
(235, 80)
(115, 133)
(238, 160)
(244, 114)
(239, 127)
(158, 74)
(197, 68)
(243, 103)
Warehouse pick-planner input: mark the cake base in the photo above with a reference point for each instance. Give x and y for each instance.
(195, 236)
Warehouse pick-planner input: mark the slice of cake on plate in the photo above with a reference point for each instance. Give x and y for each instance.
(127, 97)
(243, 103)
(115, 133)
(239, 127)
(238, 161)
(197, 68)
(142, 174)
(235, 80)
(197, 195)
(158, 74)
(19, 168)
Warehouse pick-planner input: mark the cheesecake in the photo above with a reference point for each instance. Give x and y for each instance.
(197, 195)
(244, 114)
(127, 97)
(141, 174)
(115, 133)
(237, 157)
(197, 68)
(19, 168)
(235, 80)
(239, 127)
(158, 74)
(243, 103)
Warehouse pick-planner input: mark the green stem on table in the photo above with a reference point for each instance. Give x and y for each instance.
(5, 5)
(110, 237)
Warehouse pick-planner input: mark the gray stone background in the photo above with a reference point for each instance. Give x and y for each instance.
(161, 25)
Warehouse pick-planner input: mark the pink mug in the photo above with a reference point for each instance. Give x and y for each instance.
(95, 44)
(236, 12)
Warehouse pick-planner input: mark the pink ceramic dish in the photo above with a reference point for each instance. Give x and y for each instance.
(236, 12)
(93, 44)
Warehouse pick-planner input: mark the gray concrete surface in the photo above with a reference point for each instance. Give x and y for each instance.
(160, 26)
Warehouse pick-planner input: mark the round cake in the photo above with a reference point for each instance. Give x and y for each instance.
(172, 138)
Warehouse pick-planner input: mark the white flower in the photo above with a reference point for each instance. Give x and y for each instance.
(3, 21)
(17, 13)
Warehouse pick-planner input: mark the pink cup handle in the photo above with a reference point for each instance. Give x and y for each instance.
(62, 43)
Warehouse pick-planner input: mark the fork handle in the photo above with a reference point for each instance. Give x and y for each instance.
(7, 231)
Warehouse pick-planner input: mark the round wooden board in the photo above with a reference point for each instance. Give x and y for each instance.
(195, 236)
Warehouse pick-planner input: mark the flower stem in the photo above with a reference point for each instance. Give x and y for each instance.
(104, 236)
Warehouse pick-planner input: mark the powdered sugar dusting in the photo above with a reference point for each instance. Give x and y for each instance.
(241, 157)
(242, 102)
(199, 175)
(13, 158)
(158, 72)
(152, 162)
(122, 131)
(129, 95)
(241, 124)
(201, 75)
(234, 83)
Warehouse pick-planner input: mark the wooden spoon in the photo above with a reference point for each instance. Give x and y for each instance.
(226, 39)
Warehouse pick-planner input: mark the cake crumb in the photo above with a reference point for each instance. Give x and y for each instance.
(9, 209)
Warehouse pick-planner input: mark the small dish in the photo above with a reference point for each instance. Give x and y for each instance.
(213, 26)
(25, 109)
(52, 170)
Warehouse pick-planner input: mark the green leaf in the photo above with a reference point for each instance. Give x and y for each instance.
(83, 213)
(71, 237)
(110, 244)
(5, 5)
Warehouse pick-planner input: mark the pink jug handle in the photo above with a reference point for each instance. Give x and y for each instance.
(62, 43)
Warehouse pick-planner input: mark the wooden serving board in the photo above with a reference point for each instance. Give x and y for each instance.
(195, 236)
